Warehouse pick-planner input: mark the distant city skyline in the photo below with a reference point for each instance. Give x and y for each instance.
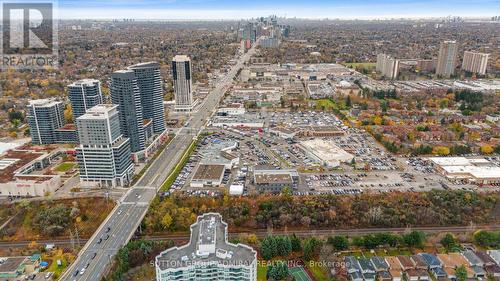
(314, 9)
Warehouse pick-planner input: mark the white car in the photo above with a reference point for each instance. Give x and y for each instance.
(82, 271)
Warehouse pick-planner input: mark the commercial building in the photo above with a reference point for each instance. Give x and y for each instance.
(473, 170)
(208, 175)
(181, 71)
(104, 156)
(232, 109)
(475, 62)
(16, 177)
(208, 256)
(44, 117)
(84, 94)
(447, 58)
(388, 66)
(275, 180)
(126, 94)
(150, 87)
(216, 159)
(325, 152)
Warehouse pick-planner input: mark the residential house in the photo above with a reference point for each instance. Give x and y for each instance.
(438, 272)
(384, 276)
(485, 258)
(352, 264)
(431, 260)
(367, 269)
(366, 266)
(419, 262)
(417, 274)
(355, 276)
(493, 270)
(411, 275)
(379, 264)
(495, 255)
(472, 258)
(395, 268)
(452, 261)
(406, 263)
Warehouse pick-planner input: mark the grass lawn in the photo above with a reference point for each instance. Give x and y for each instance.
(399, 252)
(144, 272)
(317, 271)
(64, 167)
(361, 64)
(261, 272)
(368, 254)
(357, 254)
(52, 259)
(326, 103)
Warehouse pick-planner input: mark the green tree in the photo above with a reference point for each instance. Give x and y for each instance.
(277, 271)
(487, 238)
(311, 248)
(461, 273)
(296, 243)
(267, 248)
(414, 239)
(449, 241)
(339, 243)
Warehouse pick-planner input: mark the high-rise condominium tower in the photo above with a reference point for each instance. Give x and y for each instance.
(181, 71)
(44, 117)
(447, 58)
(84, 94)
(150, 88)
(126, 94)
(104, 155)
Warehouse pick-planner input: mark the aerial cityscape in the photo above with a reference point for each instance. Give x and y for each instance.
(216, 140)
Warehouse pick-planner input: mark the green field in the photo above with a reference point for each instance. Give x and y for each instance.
(53, 267)
(317, 271)
(64, 167)
(261, 272)
(299, 274)
(325, 103)
(367, 65)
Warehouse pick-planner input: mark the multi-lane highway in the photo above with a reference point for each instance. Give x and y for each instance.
(120, 225)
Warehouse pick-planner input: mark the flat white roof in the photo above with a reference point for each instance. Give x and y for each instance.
(236, 189)
(479, 172)
(450, 161)
(327, 150)
(4, 146)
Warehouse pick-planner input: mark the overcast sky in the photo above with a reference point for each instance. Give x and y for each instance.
(230, 9)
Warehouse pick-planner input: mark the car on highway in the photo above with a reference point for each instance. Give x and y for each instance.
(93, 256)
(99, 241)
(82, 271)
(76, 272)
